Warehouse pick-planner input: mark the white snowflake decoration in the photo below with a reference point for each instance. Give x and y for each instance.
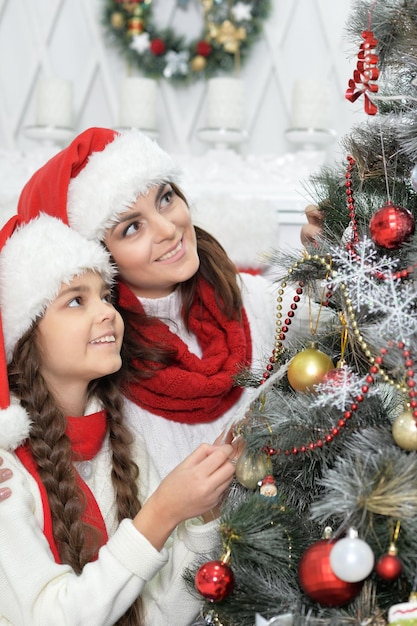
(393, 300)
(141, 43)
(177, 63)
(242, 12)
(340, 390)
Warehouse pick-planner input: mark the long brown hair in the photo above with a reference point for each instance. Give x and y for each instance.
(217, 269)
(51, 449)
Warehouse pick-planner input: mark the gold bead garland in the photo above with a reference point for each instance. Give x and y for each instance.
(376, 363)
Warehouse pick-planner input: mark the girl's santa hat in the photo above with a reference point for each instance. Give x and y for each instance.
(35, 259)
(97, 177)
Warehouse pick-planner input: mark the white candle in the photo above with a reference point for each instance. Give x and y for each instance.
(138, 103)
(54, 103)
(225, 107)
(310, 107)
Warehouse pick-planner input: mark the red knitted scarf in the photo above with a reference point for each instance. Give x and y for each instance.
(193, 389)
(86, 434)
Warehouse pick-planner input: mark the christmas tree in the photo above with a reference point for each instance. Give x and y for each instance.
(321, 526)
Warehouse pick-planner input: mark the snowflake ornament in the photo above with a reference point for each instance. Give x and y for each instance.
(371, 282)
(242, 12)
(339, 391)
(177, 63)
(141, 43)
(361, 275)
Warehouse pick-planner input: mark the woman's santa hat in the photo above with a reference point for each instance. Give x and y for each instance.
(97, 177)
(35, 259)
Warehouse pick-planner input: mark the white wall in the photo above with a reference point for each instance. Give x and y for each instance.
(301, 39)
(251, 197)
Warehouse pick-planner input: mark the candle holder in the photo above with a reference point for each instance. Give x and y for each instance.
(149, 132)
(310, 138)
(222, 138)
(49, 135)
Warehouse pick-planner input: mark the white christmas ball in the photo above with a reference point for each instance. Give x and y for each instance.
(351, 559)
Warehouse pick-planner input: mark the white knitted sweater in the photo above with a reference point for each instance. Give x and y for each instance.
(169, 442)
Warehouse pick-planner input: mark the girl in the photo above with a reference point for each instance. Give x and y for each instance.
(76, 547)
(192, 323)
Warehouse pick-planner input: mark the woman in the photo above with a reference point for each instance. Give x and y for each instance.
(76, 546)
(192, 322)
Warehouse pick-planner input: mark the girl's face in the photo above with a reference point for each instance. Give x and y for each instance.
(79, 337)
(154, 244)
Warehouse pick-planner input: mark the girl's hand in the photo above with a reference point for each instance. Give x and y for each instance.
(193, 488)
(5, 474)
(236, 441)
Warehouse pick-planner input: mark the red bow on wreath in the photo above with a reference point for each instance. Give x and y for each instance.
(365, 72)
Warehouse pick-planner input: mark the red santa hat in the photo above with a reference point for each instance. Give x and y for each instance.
(97, 177)
(35, 259)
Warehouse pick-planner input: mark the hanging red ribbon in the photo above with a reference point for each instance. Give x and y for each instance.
(365, 73)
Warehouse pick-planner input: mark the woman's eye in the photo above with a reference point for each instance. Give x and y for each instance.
(167, 197)
(131, 229)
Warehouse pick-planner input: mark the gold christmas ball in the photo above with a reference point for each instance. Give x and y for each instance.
(251, 468)
(307, 368)
(117, 20)
(198, 63)
(404, 431)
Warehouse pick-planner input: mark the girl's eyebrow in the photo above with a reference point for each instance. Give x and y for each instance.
(72, 291)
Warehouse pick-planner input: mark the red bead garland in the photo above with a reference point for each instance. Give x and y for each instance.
(350, 246)
(282, 333)
(348, 413)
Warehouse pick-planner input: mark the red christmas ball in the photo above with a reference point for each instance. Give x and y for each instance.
(389, 567)
(391, 226)
(157, 47)
(203, 48)
(215, 580)
(318, 580)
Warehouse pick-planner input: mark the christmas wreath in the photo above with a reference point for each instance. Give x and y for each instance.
(229, 30)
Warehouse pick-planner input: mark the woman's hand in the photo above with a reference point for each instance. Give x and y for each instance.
(315, 224)
(5, 474)
(193, 488)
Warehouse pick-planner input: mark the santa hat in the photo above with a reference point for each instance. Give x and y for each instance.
(35, 259)
(97, 177)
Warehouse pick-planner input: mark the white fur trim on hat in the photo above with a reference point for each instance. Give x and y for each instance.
(34, 262)
(14, 425)
(112, 180)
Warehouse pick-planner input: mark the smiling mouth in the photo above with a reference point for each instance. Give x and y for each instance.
(106, 339)
(172, 253)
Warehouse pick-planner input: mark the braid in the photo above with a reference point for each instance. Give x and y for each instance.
(125, 472)
(77, 541)
(51, 450)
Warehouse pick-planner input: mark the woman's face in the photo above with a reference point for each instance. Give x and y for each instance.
(79, 337)
(154, 244)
